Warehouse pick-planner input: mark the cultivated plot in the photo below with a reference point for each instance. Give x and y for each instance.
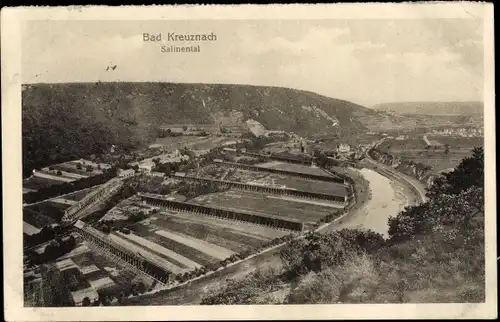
(295, 168)
(85, 272)
(258, 202)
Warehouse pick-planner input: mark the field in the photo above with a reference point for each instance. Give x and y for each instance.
(288, 182)
(35, 183)
(313, 186)
(261, 203)
(458, 143)
(219, 172)
(35, 219)
(437, 160)
(182, 242)
(48, 177)
(192, 142)
(93, 271)
(209, 143)
(29, 229)
(51, 211)
(78, 195)
(68, 167)
(186, 241)
(33, 293)
(353, 140)
(294, 168)
(71, 168)
(412, 143)
(63, 177)
(414, 150)
(44, 213)
(173, 141)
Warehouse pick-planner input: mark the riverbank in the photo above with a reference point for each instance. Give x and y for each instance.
(387, 199)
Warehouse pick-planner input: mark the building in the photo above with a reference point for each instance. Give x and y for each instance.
(156, 174)
(66, 264)
(230, 143)
(91, 271)
(401, 137)
(276, 134)
(256, 128)
(126, 173)
(102, 283)
(201, 152)
(80, 295)
(146, 166)
(344, 148)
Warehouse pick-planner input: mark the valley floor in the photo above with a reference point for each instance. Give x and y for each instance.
(388, 197)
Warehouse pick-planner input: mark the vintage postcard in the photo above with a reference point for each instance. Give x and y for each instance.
(249, 162)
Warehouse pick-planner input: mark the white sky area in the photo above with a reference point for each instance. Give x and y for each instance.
(363, 61)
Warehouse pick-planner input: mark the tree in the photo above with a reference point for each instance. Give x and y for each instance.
(141, 287)
(79, 166)
(59, 173)
(470, 172)
(446, 149)
(455, 198)
(184, 128)
(86, 301)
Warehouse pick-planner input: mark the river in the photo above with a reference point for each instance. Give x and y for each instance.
(388, 198)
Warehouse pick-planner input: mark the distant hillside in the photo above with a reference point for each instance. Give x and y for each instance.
(68, 120)
(432, 108)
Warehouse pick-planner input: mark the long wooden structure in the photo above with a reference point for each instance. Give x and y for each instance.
(342, 199)
(98, 239)
(268, 220)
(301, 175)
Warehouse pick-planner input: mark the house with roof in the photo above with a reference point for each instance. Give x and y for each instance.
(343, 148)
(126, 173)
(102, 283)
(256, 128)
(66, 264)
(80, 295)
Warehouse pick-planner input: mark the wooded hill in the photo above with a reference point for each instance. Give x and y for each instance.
(69, 121)
(64, 121)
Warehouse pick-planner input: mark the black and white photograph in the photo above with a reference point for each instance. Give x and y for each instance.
(266, 161)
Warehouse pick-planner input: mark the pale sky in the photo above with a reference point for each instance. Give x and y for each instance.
(363, 61)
